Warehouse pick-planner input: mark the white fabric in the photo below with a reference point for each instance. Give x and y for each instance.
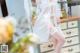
(11, 20)
(28, 9)
(43, 4)
(43, 22)
(2, 25)
(5, 21)
(41, 28)
(58, 30)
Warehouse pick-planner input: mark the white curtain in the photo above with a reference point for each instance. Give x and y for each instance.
(28, 9)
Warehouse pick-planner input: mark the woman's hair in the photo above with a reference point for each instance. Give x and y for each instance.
(1, 1)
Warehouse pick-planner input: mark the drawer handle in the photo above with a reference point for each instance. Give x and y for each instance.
(72, 23)
(70, 50)
(50, 45)
(69, 41)
(68, 32)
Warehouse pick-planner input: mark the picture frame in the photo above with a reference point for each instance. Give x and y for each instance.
(4, 48)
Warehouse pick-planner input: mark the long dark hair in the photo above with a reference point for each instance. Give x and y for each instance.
(3, 8)
(1, 1)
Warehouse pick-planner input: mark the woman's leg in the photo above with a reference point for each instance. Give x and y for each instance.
(58, 40)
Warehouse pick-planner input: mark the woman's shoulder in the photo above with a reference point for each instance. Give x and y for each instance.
(10, 19)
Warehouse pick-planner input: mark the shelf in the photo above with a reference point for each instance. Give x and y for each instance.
(69, 18)
(74, 2)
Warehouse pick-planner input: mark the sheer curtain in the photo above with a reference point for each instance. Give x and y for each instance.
(28, 10)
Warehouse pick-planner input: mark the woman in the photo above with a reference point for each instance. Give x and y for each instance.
(44, 28)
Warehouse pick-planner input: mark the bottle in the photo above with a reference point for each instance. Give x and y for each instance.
(64, 8)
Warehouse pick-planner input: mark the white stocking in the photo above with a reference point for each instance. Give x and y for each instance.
(57, 38)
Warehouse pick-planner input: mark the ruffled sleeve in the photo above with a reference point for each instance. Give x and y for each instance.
(11, 23)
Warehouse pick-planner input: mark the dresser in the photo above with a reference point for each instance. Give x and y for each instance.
(71, 28)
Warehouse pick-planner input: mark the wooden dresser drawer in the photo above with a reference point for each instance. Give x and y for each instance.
(71, 49)
(46, 47)
(71, 32)
(50, 52)
(72, 24)
(71, 41)
(63, 25)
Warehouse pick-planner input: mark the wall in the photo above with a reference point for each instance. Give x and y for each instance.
(16, 8)
(75, 10)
